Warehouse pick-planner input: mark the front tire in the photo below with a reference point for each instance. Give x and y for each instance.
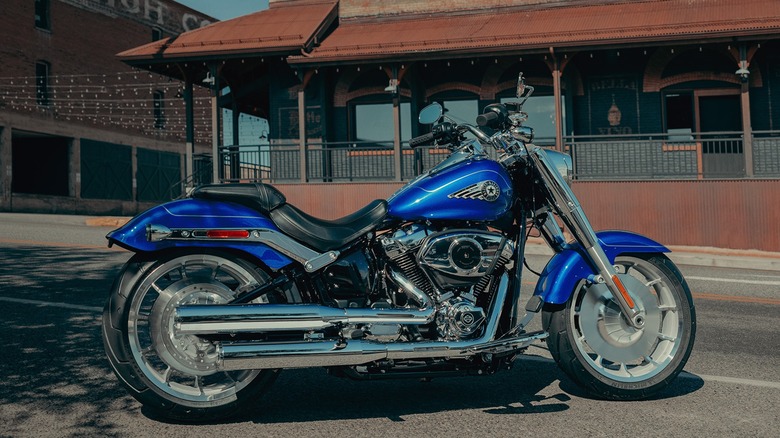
(595, 347)
(176, 376)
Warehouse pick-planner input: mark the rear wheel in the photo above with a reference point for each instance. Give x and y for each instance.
(176, 375)
(594, 345)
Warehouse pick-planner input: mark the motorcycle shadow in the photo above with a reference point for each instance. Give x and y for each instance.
(535, 385)
(527, 389)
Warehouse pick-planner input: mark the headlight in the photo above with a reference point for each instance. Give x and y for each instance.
(562, 163)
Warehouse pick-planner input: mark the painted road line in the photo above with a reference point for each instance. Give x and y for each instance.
(51, 304)
(736, 299)
(686, 375)
(734, 280)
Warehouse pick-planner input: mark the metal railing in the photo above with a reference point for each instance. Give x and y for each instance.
(628, 157)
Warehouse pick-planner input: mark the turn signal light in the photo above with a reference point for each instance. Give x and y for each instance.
(227, 234)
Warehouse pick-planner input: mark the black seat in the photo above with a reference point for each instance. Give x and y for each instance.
(261, 197)
(320, 234)
(325, 235)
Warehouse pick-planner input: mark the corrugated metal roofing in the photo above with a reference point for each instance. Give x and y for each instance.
(282, 28)
(563, 26)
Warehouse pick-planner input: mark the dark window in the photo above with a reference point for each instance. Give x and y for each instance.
(157, 34)
(679, 116)
(42, 14)
(42, 82)
(159, 115)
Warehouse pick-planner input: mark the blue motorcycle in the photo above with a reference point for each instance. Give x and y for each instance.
(232, 284)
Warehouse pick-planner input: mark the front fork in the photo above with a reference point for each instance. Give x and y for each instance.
(568, 208)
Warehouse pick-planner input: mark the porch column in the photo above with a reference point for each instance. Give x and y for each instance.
(556, 73)
(189, 146)
(216, 125)
(557, 70)
(5, 168)
(74, 178)
(302, 132)
(235, 156)
(747, 134)
(397, 152)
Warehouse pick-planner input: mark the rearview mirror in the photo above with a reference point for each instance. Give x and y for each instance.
(431, 113)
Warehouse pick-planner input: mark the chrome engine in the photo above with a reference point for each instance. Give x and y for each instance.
(453, 269)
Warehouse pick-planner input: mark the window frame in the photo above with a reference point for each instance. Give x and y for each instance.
(42, 14)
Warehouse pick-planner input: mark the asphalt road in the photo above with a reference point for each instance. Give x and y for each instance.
(55, 381)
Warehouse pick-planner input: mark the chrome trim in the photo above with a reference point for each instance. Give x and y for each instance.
(410, 289)
(310, 259)
(156, 233)
(243, 356)
(259, 318)
(569, 209)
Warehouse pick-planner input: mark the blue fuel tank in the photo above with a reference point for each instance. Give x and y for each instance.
(462, 187)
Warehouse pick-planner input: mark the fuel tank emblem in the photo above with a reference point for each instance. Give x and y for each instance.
(483, 191)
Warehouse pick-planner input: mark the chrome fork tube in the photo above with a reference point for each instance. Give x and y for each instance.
(568, 207)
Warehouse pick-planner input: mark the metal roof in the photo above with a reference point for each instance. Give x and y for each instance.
(284, 28)
(513, 29)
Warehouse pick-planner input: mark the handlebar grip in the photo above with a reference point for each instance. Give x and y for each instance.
(487, 118)
(425, 138)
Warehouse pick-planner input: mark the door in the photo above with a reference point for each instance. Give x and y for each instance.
(720, 125)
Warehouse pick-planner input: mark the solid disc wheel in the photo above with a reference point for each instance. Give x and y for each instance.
(173, 374)
(598, 349)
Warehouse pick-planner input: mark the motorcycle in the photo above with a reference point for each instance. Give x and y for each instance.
(232, 283)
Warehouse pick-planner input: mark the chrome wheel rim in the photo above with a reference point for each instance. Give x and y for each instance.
(611, 346)
(185, 366)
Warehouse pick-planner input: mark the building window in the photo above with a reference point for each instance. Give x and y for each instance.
(462, 111)
(541, 116)
(42, 14)
(42, 83)
(158, 109)
(374, 123)
(157, 34)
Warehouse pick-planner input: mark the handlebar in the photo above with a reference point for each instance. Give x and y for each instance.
(487, 118)
(422, 139)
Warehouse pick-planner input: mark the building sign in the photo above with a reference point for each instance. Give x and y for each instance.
(168, 16)
(614, 105)
(288, 122)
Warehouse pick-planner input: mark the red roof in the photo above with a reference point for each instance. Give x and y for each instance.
(284, 28)
(529, 29)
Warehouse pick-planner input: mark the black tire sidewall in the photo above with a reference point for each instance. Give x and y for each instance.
(117, 345)
(556, 320)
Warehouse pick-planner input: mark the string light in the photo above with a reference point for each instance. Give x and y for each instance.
(116, 100)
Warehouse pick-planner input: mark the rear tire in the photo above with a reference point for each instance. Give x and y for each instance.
(595, 347)
(175, 376)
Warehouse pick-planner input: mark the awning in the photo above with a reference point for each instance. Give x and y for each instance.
(282, 29)
(513, 29)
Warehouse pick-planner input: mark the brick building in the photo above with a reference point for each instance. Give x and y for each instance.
(79, 130)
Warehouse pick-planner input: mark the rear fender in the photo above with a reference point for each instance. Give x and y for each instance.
(570, 266)
(194, 214)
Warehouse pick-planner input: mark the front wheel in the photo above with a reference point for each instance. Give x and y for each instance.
(177, 376)
(594, 345)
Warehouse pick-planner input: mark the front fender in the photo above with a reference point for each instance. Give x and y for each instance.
(570, 266)
(199, 214)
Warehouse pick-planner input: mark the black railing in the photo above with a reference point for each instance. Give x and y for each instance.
(630, 157)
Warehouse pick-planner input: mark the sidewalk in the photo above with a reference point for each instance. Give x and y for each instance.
(683, 255)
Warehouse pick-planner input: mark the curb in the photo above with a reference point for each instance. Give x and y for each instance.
(106, 221)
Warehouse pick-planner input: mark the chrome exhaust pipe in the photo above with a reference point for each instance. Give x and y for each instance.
(259, 318)
(260, 355)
